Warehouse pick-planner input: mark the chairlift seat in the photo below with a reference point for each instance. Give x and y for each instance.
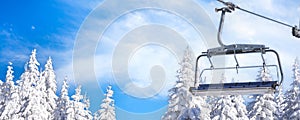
(264, 87)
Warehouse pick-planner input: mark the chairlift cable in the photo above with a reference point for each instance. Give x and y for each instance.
(232, 6)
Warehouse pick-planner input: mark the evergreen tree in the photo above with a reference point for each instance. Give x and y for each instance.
(292, 102)
(49, 87)
(264, 106)
(77, 109)
(87, 114)
(11, 97)
(263, 75)
(182, 104)
(200, 103)
(186, 72)
(239, 105)
(224, 110)
(238, 101)
(279, 99)
(177, 101)
(30, 92)
(63, 102)
(107, 111)
(29, 78)
(6, 87)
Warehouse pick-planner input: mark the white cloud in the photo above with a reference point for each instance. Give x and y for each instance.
(240, 28)
(145, 34)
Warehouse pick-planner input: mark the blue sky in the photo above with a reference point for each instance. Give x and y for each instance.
(54, 28)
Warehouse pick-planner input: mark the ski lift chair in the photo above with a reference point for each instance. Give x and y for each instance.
(240, 88)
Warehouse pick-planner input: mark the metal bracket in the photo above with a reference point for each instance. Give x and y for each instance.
(224, 10)
(296, 32)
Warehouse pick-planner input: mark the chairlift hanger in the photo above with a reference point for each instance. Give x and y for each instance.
(243, 88)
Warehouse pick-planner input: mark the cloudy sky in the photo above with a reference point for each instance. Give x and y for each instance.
(135, 45)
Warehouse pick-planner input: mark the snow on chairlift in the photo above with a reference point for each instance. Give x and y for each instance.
(240, 88)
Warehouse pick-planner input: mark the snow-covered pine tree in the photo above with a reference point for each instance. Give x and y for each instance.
(49, 81)
(77, 110)
(175, 98)
(224, 110)
(292, 101)
(63, 102)
(30, 92)
(279, 99)
(87, 113)
(178, 97)
(263, 75)
(182, 104)
(11, 97)
(224, 107)
(238, 101)
(186, 72)
(213, 100)
(203, 105)
(6, 87)
(188, 109)
(29, 78)
(200, 103)
(264, 106)
(107, 111)
(2, 99)
(239, 105)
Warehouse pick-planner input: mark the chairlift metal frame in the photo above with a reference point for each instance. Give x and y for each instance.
(241, 88)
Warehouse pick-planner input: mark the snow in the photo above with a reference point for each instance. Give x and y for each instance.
(63, 102)
(107, 111)
(182, 104)
(264, 106)
(279, 99)
(292, 101)
(33, 96)
(48, 78)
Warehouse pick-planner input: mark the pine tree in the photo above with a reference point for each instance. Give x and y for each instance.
(186, 72)
(239, 105)
(49, 89)
(279, 99)
(178, 97)
(29, 78)
(177, 101)
(224, 110)
(11, 97)
(6, 87)
(200, 102)
(2, 96)
(77, 109)
(30, 92)
(238, 101)
(63, 102)
(182, 104)
(107, 111)
(263, 75)
(292, 102)
(264, 106)
(87, 114)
